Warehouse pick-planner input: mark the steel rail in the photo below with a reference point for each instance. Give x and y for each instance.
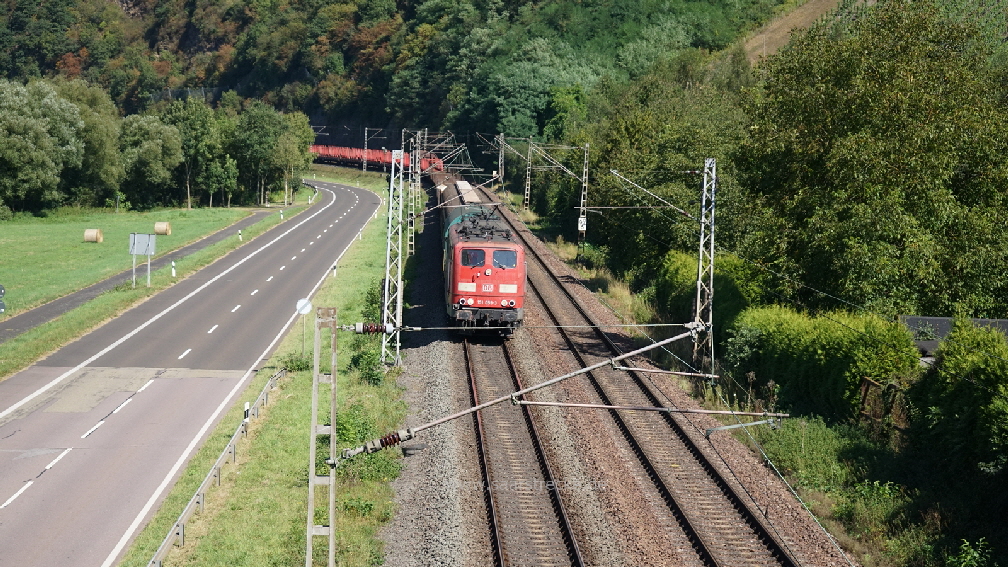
(549, 480)
(751, 518)
(547, 469)
(495, 541)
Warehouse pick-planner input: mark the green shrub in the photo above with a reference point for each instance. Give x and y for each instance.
(368, 362)
(353, 425)
(969, 556)
(961, 403)
(819, 362)
(808, 451)
(296, 362)
(675, 290)
(868, 508)
(372, 310)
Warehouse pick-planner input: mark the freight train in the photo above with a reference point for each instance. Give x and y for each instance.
(484, 263)
(355, 157)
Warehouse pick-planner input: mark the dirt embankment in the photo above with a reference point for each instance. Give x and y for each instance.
(771, 37)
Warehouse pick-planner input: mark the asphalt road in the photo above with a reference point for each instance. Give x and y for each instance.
(92, 437)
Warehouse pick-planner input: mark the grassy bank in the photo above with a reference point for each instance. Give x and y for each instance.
(47, 258)
(22, 350)
(257, 516)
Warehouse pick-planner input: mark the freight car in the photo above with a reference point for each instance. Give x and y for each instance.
(484, 263)
(341, 155)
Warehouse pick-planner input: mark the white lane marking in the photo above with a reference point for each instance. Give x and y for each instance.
(326, 230)
(149, 382)
(57, 459)
(236, 308)
(122, 405)
(212, 329)
(151, 321)
(269, 278)
(90, 431)
(295, 257)
(317, 237)
(199, 435)
(282, 267)
(254, 292)
(187, 351)
(16, 494)
(330, 226)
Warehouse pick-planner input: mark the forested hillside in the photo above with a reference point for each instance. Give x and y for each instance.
(465, 64)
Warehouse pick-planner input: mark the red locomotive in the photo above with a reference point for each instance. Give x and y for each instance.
(484, 264)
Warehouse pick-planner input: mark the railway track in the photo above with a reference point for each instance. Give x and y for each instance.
(713, 512)
(527, 519)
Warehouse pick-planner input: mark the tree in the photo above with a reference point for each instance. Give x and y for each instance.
(200, 140)
(38, 139)
(875, 152)
(291, 154)
(151, 150)
(97, 177)
(253, 145)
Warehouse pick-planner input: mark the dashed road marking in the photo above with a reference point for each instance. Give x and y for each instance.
(122, 405)
(90, 431)
(236, 308)
(254, 292)
(187, 351)
(18, 493)
(56, 460)
(269, 278)
(212, 329)
(293, 258)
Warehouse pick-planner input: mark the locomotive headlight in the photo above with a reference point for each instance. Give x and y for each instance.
(512, 303)
(503, 303)
(471, 301)
(462, 301)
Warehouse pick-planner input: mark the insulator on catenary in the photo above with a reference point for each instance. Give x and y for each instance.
(373, 328)
(390, 440)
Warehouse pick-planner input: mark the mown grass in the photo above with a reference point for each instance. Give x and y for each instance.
(24, 349)
(46, 258)
(258, 515)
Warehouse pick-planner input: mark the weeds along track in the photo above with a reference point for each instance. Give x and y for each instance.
(713, 512)
(528, 522)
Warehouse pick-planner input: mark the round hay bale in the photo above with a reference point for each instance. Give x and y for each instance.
(93, 235)
(162, 228)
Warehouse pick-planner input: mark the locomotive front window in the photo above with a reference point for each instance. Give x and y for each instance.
(473, 257)
(505, 258)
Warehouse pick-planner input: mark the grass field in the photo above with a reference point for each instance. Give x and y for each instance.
(24, 349)
(46, 258)
(258, 515)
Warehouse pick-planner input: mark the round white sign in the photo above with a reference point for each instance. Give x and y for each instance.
(303, 306)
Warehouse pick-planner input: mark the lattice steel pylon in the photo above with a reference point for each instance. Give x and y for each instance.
(392, 298)
(703, 311)
(528, 176)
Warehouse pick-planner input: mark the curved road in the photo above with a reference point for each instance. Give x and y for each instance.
(92, 437)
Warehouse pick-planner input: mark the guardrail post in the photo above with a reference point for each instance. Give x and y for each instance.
(179, 534)
(199, 500)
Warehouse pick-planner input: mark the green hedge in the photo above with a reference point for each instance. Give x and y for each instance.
(675, 290)
(961, 403)
(818, 362)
